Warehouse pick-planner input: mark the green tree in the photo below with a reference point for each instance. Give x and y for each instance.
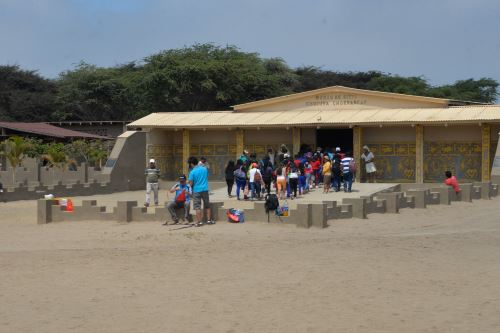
(25, 95)
(402, 85)
(208, 77)
(56, 157)
(14, 149)
(93, 93)
(484, 90)
(97, 153)
(311, 77)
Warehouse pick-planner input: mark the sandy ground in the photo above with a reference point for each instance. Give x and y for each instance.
(432, 270)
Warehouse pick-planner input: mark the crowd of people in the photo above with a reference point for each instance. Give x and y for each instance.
(252, 178)
(290, 176)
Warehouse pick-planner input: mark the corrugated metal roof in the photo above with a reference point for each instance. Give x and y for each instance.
(47, 130)
(459, 114)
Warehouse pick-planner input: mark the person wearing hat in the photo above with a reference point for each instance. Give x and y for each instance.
(152, 176)
(183, 193)
(368, 158)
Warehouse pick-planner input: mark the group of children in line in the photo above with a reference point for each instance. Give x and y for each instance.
(290, 177)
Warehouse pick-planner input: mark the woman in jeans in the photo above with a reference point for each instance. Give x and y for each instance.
(230, 177)
(240, 176)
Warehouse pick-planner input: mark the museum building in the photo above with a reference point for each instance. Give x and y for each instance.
(413, 138)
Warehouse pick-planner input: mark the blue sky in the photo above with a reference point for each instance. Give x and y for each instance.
(442, 40)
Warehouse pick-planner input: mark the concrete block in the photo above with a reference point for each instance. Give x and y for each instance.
(124, 210)
(494, 190)
(466, 192)
(485, 190)
(345, 211)
(358, 206)
(446, 193)
(44, 211)
(89, 203)
(332, 209)
(374, 205)
(302, 216)
(319, 215)
(391, 201)
(420, 196)
(214, 209)
(432, 198)
(476, 192)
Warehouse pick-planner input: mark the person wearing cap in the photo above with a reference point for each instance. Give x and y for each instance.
(181, 199)
(152, 176)
(368, 158)
(255, 178)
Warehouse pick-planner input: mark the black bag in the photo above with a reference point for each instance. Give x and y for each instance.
(272, 203)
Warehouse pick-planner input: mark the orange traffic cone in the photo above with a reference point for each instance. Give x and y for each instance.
(69, 206)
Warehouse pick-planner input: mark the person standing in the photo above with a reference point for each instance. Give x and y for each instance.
(347, 170)
(337, 173)
(181, 199)
(230, 177)
(267, 175)
(280, 183)
(240, 176)
(316, 166)
(152, 176)
(327, 174)
(293, 179)
(368, 158)
(198, 178)
(255, 178)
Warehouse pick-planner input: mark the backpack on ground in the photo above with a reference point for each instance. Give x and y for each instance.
(235, 215)
(272, 204)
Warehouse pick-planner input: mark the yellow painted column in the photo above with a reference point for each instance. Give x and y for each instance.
(485, 155)
(296, 140)
(185, 150)
(240, 142)
(419, 154)
(357, 139)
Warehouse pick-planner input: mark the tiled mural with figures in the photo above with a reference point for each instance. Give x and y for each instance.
(463, 159)
(395, 162)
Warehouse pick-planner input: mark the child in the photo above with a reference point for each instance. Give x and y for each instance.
(452, 181)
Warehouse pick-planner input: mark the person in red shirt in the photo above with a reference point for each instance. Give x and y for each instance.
(452, 181)
(316, 165)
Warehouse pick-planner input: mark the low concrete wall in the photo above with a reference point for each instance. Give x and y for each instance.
(24, 192)
(306, 215)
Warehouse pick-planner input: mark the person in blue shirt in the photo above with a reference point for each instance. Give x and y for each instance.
(198, 178)
(181, 199)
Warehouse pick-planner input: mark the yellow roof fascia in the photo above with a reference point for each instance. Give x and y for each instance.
(291, 97)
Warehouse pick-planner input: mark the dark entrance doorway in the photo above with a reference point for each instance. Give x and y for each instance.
(334, 137)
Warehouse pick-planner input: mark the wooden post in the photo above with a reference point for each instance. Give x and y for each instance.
(240, 142)
(419, 154)
(485, 154)
(185, 151)
(296, 140)
(357, 139)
